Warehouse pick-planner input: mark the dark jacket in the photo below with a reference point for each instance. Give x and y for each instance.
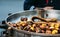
(42, 3)
(56, 4)
(35, 3)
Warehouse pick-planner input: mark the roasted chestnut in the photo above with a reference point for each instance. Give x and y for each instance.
(47, 27)
(43, 26)
(37, 29)
(48, 31)
(42, 31)
(59, 31)
(34, 25)
(54, 31)
(24, 19)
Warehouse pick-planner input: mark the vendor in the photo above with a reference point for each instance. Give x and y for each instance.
(46, 4)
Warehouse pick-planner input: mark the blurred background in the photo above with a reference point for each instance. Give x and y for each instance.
(10, 6)
(6, 7)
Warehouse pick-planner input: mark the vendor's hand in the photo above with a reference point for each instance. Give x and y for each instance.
(48, 8)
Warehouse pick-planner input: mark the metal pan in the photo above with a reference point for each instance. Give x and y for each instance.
(16, 17)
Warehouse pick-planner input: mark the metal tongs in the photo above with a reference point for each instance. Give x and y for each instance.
(39, 16)
(40, 11)
(43, 19)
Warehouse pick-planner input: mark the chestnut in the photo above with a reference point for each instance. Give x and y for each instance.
(54, 31)
(24, 24)
(42, 27)
(34, 25)
(24, 19)
(32, 29)
(37, 29)
(47, 27)
(56, 25)
(48, 31)
(42, 31)
(59, 31)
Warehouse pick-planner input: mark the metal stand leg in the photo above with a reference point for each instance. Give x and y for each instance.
(24, 35)
(28, 35)
(1, 34)
(46, 36)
